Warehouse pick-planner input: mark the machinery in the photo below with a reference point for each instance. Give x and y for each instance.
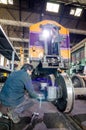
(77, 75)
(78, 56)
(49, 52)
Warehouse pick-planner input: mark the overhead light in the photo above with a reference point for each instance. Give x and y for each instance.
(72, 11)
(76, 12)
(52, 7)
(3, 1)
(45, 33)
(10, 2)
(6, 1)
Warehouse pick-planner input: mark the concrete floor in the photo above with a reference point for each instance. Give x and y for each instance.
(79, 111)
(53, 120)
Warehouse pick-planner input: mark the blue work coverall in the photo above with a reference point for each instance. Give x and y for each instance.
(13, 91)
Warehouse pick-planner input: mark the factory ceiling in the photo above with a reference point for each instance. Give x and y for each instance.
(76, 2)
(23, 13)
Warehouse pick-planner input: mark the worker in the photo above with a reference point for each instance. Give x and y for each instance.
(12, 95)
(84, 72)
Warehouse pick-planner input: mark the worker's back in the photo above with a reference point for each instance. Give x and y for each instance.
(12, 92)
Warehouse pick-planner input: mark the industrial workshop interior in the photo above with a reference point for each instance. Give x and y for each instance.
(43, 64)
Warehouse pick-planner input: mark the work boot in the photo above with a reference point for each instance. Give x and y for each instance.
(14, 117)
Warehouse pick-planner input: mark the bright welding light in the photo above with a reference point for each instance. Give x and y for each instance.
(45, 34)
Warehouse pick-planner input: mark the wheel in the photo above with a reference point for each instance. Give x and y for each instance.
(65, 100)
(77, 81)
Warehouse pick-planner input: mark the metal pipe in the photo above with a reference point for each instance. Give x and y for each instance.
(25, 24)
(15, 23)
(77, 31)
(80, 91)
(19, 39)
(13, 57)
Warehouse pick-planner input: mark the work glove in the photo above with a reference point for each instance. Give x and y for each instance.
(41, 97)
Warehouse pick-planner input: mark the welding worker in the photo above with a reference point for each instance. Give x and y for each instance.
(84, 72)
(12, 95)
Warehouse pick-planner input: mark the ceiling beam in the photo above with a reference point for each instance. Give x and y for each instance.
(78, 1)
(72, 2)
(25, 24)
(15, 23)
(77, 31)
(19, 39)
(78, 46)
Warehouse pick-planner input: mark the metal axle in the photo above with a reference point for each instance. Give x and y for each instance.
(80, 91)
